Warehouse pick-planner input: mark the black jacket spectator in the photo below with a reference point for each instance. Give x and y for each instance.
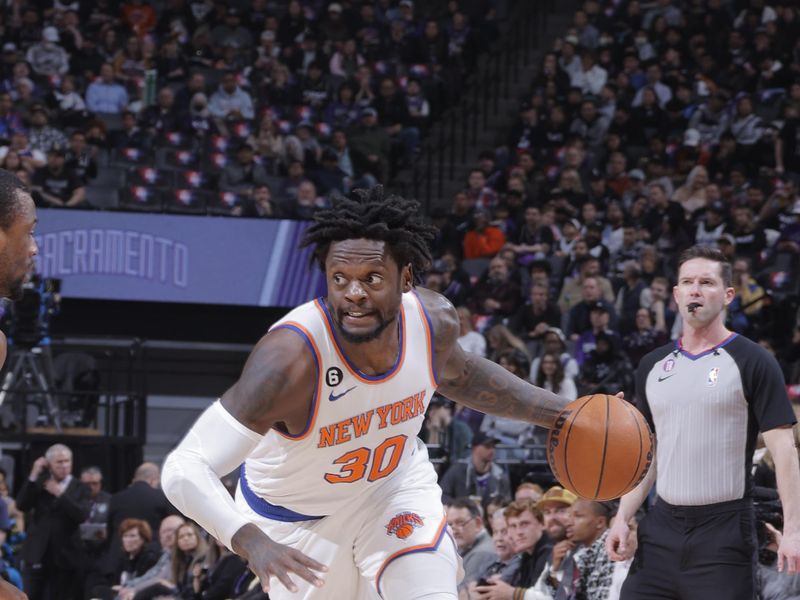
(140, 500)
(606, 370)
(57, 185)
(52, 548)
(578, 320)
(130, 136)
(461, 480)
(222, 577)
(532, 563)
(496, 293)
(163, 117)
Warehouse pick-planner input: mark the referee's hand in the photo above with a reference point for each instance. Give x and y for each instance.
(621, 541)
(789, 553)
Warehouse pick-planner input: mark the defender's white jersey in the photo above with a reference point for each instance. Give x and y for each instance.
(361, 432)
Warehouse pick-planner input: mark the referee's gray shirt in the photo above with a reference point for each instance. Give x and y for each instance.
(706, 411)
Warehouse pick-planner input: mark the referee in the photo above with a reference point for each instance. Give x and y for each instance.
(707, 397)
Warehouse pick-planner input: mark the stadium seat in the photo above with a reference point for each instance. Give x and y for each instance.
(195, 180)
(102, 197)
(175, 139)
(216, 161)
(186, 201)
(151, 177)
(170, 158)
(112, 121)
(127, 157)
(222, 203)
(475, 267)
(113, 177)
(141, 198)
(219, 143)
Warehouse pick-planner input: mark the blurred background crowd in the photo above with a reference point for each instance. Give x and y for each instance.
(649, 126)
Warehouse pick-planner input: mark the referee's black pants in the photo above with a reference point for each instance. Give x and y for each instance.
(694, 553)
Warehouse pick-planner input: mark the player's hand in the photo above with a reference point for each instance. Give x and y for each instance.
(789, 553)
(621, 541)
(267, 558)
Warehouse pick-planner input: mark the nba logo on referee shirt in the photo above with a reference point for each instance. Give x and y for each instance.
(669, 365)
(713, 375)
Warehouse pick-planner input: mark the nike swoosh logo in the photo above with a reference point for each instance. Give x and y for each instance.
(660, 379)
(334, 397)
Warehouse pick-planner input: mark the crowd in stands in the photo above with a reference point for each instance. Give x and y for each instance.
(256, 107)
(64, 536)
(651, 126)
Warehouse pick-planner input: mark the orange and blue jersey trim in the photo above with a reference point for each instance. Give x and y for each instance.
(429, 338)
(363, 377)
(430, 547)
(312, 413)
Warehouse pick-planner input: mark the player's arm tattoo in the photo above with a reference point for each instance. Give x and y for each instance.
(489, 388)
(481, 384)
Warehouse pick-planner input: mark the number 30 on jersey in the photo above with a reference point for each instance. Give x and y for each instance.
(379, 462)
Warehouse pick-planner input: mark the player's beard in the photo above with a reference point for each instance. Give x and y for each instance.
(362, 338)
(13, 289)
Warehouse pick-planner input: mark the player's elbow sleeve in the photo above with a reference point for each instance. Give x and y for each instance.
(213, 447)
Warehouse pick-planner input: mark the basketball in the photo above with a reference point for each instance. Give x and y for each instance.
(600, 447)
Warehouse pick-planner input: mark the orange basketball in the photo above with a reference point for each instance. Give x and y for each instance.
(600, 447)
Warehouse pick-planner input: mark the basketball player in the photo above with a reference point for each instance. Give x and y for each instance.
(17, 249)
(706, 398)
(335, 487)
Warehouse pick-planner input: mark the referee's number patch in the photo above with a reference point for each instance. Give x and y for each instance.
(334, 376)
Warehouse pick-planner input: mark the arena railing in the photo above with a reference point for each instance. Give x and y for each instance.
(458, 130)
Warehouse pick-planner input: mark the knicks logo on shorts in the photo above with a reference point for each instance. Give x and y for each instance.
(403, 524)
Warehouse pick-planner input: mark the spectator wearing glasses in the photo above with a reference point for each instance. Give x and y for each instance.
(473, 541)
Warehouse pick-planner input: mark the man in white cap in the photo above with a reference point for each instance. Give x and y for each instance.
(47, 58)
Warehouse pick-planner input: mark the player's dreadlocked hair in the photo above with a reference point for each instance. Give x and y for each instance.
(374, 215)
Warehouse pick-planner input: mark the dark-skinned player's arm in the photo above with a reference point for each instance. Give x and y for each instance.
(479, 383)
(7, 591)
(278, 376)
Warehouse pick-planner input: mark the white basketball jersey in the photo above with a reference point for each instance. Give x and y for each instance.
(361, 431)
